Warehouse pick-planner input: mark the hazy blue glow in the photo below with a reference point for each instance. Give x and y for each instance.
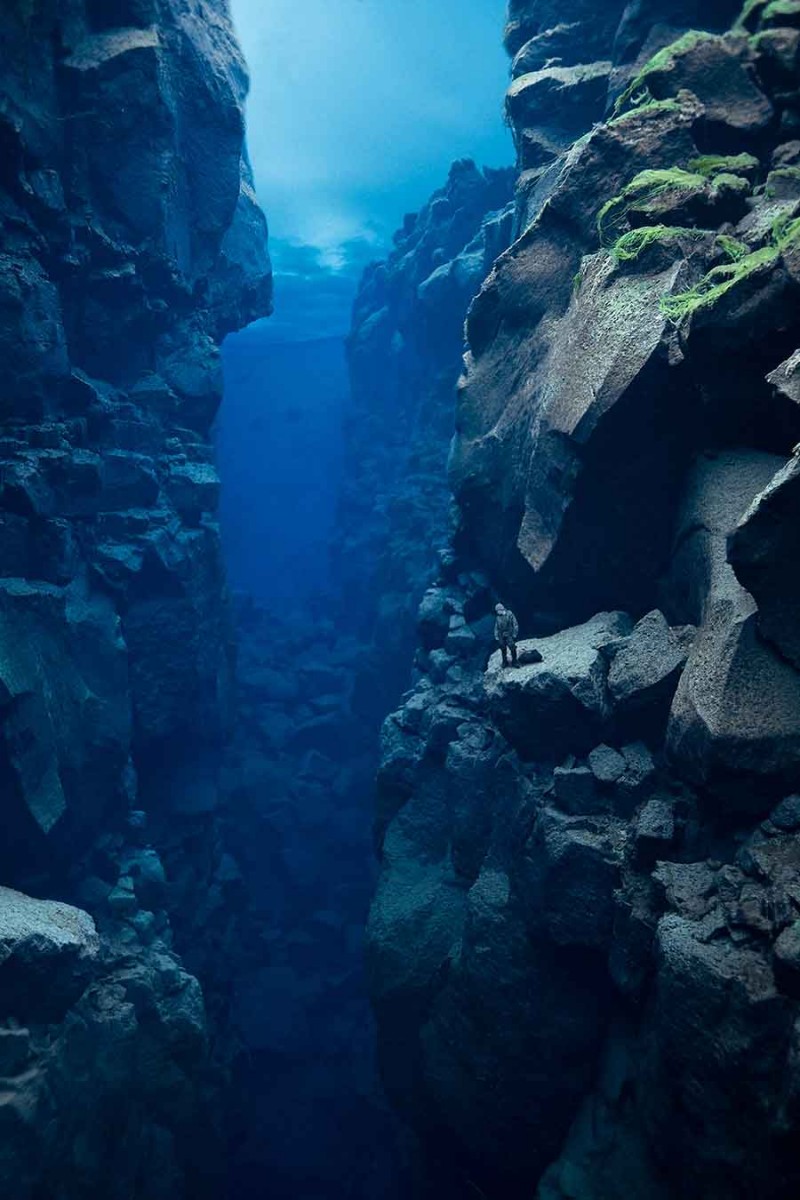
(357, 109)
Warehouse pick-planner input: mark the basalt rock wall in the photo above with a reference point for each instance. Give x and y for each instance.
(132, 244)
(584, 944)
(404, 351)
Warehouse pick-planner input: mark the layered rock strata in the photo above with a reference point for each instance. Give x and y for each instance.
(583, 948)
(132, 244)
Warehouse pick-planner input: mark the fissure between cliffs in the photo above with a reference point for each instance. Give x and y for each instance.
(555, 951)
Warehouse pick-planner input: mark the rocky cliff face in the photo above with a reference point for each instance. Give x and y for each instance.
(131, 245)
(584, 944)
(404, 353)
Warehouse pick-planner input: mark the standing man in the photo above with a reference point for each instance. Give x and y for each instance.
(506, 632)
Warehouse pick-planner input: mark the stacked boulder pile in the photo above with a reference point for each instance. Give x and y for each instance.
(585, 943)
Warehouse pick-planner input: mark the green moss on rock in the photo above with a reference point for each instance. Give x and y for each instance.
(654, 194)
(731, 247)
(735, 184)
(711, 165)
(647, 187)
(716, 284)
(647, 106)
(748, 17)
(633, 244)
(780, 10)
(660, 63)
(783, 227)
(783, 183)
(723, 279)
(764, 14)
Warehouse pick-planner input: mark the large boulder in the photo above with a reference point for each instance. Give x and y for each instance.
(32, 338)
(719, 1029)
(567, 399)
(717, 70)
(565, 100)
(737, 708)
(646, 669)
(590, 32)
(764, 550)
(560, 704)
(508, 1045)
(112, 1037)
(47, 951)
(786, 378)
(572, 866)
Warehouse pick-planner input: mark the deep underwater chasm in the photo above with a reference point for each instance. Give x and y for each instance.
(555, 952)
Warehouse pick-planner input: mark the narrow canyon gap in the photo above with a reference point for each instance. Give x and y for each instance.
(331, 446)
(578, 876)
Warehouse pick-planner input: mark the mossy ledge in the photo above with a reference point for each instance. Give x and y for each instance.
(648, 106)
(761, 14)
(632, 245)
(638, 92)
(749, 16)
(731, 247)
(782, 182)
(781, 10)
(721, 280)
(644, 191)
(712, 165)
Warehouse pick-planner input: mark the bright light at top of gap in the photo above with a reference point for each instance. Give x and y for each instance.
(357, 107)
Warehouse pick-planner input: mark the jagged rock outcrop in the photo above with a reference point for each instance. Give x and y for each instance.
(124, 258)
(132, 244)
(583, 947)
(103, 1060)
(566, 64)
(404, 353)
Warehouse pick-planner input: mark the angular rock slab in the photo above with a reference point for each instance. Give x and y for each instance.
(509, 1042)
(646, 670)
(786, 378)
(573, 866)
(719, 1039)
(557, 706)
(66, 709)
(568, 445)
(46, 950)
(718, 71)
(736, 713)
(764, 551)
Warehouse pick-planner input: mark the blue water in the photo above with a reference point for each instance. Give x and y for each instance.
(279, 451)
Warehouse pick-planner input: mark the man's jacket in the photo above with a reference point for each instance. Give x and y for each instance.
(506, 628)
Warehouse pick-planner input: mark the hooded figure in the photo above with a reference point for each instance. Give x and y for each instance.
(506, 631)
